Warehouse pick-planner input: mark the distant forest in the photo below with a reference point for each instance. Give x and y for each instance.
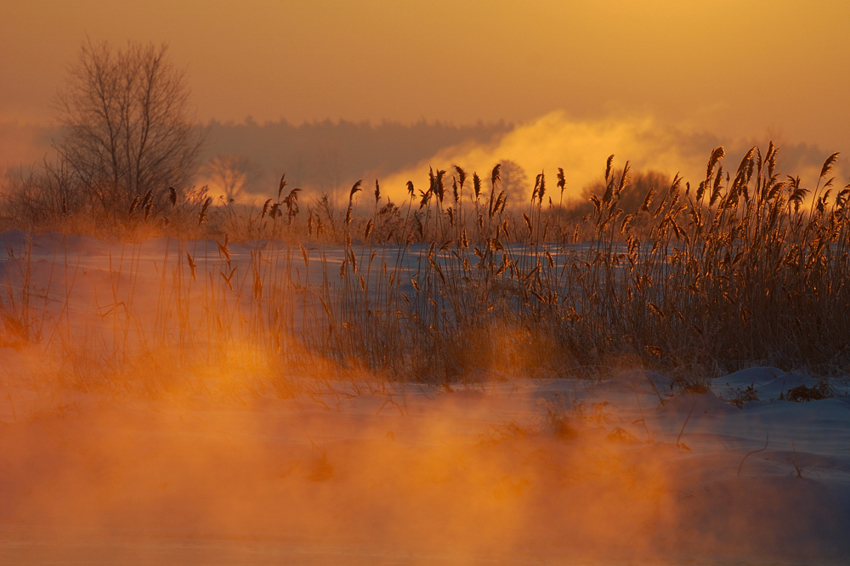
(323, 156)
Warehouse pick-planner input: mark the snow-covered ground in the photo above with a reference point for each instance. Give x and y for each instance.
(500, 470)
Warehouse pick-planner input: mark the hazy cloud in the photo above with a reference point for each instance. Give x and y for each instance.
(581, 148)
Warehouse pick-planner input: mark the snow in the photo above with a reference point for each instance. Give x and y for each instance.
(500, 470)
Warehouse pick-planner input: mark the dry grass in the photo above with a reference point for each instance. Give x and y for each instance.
(747, 268)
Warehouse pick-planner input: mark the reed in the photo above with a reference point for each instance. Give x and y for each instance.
(748, 268)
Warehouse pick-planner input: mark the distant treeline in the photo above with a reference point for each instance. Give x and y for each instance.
(323, 156)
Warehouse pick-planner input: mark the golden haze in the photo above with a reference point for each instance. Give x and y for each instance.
(733, 68)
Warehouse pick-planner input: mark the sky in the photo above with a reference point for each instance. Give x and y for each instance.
(736, 69)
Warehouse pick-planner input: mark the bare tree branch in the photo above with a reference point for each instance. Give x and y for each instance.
(126, 126)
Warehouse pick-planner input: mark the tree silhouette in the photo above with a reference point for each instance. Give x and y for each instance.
(634, 193)
(233, 174)
(126, 128)
(514, 182)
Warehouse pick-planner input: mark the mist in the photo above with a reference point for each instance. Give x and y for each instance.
(293, 343)
(581, 148)
(328, 157)
(325, 157)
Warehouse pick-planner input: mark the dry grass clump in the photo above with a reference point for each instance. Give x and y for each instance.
(748, 267)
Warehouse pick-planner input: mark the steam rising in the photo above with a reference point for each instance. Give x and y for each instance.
(500, 470)
(475, 475)
(581, 148)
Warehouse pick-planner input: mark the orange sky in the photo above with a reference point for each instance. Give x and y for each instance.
(735, 68)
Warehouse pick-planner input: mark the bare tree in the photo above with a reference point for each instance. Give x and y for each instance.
(514, 182)
(233, 174)
(127, 131)
(639, 184)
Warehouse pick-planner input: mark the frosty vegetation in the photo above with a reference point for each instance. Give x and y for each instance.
(657, 369)
(747, 266)
(743, 269)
